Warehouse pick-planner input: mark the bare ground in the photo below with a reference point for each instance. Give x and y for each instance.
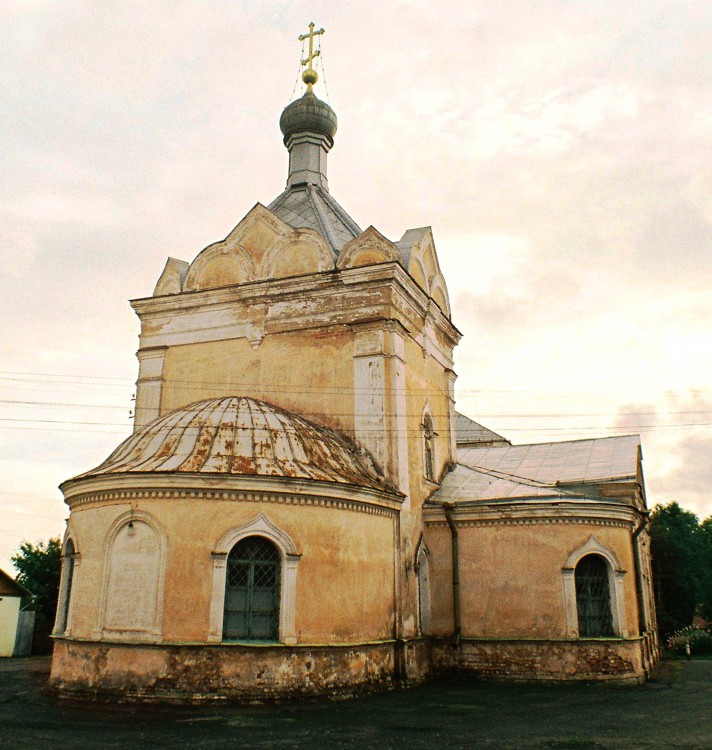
(673, 710)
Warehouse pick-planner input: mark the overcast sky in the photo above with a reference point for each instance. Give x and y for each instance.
(560, 149)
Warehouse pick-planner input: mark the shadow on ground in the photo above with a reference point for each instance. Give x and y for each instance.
(673, 710)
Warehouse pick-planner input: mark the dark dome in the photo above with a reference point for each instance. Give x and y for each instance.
(308, 114)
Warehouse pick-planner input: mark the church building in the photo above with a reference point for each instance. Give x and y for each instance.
(300, 510)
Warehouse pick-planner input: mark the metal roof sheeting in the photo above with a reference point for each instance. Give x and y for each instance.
(312, 207)
(594, 460)
(238, 435)
(469, 431)
(539, 469)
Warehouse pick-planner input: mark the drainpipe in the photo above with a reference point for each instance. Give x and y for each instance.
(640, 590)
(448, 508)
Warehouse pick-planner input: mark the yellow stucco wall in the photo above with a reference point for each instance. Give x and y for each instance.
(511, 584)
(344, 578)
(307, 372)
(9, 608)
(426, 384)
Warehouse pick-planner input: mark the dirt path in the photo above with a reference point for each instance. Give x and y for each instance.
(674, 710)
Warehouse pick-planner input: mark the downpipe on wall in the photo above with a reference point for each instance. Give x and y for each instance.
(454, 547)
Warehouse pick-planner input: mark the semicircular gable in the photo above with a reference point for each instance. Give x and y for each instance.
(302, 252)
(429, 263)
(416, 270)
(219, 265)
(438, 291)
(368, 249)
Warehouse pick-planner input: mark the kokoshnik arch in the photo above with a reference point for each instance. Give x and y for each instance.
(301, 510)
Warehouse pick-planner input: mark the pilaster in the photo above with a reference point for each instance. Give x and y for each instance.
(149, 385)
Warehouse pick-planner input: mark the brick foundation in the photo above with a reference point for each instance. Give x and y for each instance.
(178, 673)
(619, 660)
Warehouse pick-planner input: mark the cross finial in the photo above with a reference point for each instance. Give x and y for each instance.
(309, 76)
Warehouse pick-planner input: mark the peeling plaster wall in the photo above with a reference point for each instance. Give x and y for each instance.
(218, 672)
(542, 660)
(511, 580)
(317, 364)
(344, 579)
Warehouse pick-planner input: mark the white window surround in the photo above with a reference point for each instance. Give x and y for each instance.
(154, 633)
(67, 583)
(615, 582)
(259, 526)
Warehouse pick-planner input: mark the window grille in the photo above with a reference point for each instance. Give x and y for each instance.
(593, 597)
(252, 591)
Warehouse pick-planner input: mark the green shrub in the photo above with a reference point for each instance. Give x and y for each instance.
(700, 641)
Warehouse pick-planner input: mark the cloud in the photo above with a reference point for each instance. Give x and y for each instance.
(689, 483)
(51, 209)
(560, 151)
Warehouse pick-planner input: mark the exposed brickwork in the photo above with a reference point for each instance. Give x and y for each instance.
(195, 673)
(550, 661)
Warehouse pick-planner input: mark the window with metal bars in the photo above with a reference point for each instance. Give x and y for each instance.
(593, 597)
(252, 589)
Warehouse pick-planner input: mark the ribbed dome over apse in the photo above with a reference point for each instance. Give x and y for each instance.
(241, 436)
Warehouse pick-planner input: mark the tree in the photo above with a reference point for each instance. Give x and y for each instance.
(38, 569)
(680, 573)
(706, 594)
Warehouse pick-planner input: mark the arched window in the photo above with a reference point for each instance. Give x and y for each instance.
(65, 588)
(252, 591)
(428, 447)
(593, 597)
(422, 567)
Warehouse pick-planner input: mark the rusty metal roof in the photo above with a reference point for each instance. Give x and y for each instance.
(239, 435)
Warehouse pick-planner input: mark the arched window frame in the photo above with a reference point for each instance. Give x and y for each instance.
(155, 632)
(429, 436)
(67, 583)
(615, 582)
(259, 526)
(422, 571)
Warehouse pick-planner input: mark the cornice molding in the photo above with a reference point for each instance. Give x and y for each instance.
(112, 489)
(409, 304)
(527, 514)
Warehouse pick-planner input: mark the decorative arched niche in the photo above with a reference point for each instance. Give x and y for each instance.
(131, 606)
(67, 582)
(259, 526)
(615, 582)
(422, 570)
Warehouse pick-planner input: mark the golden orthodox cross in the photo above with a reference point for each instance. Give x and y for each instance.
(309, 76)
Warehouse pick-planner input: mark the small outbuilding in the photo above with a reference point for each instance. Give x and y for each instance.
(16, 624)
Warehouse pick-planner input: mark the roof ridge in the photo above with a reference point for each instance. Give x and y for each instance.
(326, 226)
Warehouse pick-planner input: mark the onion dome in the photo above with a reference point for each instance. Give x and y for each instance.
(308, 114)
(241, 436)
